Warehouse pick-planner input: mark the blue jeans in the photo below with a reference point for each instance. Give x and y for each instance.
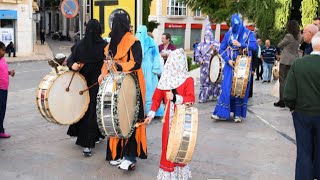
(307, 130)
(132, 159)
(267, 71)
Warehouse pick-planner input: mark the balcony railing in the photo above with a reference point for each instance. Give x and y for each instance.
(11, 1)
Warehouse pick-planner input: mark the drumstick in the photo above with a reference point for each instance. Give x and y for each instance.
(81, 92)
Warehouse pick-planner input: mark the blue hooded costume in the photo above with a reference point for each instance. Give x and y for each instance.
(150, 66)
(246, 38)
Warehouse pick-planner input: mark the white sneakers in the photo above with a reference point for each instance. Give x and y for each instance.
(215, 117)
(237, 119)
(116, 162)
(123, 164)
(127, 165)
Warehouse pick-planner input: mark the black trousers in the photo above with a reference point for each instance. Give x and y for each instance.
(13, 50)
(307, 130)
(3, 107)
(283, 72)
(251, 84)
(259, 71)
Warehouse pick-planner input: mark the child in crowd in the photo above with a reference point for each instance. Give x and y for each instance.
(4, 84)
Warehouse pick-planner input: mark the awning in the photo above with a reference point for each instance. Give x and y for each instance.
(8, 14)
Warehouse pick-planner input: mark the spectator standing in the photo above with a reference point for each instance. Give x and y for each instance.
(11, 49)
(302, 96)
(308, 32)
(259, 72)
(166, 47)
(268, 57)
(42, 36)
(195, 46)
(289, 45)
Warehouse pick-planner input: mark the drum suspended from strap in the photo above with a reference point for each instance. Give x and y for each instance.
(215, 69)
(183, 134)
(59, 99)
(118, 102)
(241, 76)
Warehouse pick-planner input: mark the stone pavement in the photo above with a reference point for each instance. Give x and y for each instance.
(254, 149)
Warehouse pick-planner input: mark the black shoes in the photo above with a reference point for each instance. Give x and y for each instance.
(279, 104)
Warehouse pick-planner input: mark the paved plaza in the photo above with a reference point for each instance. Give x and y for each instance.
(260, 148)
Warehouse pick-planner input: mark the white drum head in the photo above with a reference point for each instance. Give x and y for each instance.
(214, 69)
(127, 104)
(68, 107)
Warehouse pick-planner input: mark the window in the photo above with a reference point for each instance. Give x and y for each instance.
(6, 23)
(11, 1)
(176, 8)
(88, 6)
(197, 13)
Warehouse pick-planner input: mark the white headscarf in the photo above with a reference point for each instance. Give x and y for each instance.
(175, 71)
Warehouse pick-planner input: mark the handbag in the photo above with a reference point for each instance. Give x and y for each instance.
(275, 70)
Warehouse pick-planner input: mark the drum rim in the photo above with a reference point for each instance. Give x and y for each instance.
(172, 155)
(220, 69)
(49, 118)
(48, 91)
(248, 74)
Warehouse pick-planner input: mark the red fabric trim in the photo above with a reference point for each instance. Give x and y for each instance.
(186, 90)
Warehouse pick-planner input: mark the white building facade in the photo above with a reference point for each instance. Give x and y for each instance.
(18, 24)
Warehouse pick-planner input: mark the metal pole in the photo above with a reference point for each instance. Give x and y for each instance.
(139, 13)
(81, 18)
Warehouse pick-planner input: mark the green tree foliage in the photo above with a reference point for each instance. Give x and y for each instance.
(219, 10)
(281, 18)
(270, 16)
(308, 11)
(146, 12)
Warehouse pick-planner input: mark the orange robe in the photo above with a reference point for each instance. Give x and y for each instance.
(136, 145)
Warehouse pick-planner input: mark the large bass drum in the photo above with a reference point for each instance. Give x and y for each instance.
(241, 76)
(183, 134)
(215, 69)
(60, 105)
(118, 102)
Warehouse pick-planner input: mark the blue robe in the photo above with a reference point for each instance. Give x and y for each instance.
(226, 102)
(150, 67)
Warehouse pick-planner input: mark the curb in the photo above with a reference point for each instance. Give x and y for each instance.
(25, 61)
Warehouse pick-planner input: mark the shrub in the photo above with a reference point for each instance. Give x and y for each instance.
(190, 65)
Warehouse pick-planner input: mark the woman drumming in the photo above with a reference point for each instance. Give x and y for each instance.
(90, 52)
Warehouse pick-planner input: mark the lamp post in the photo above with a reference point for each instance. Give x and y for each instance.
(81, 7)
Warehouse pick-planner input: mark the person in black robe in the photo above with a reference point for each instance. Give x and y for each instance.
(90, 52)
